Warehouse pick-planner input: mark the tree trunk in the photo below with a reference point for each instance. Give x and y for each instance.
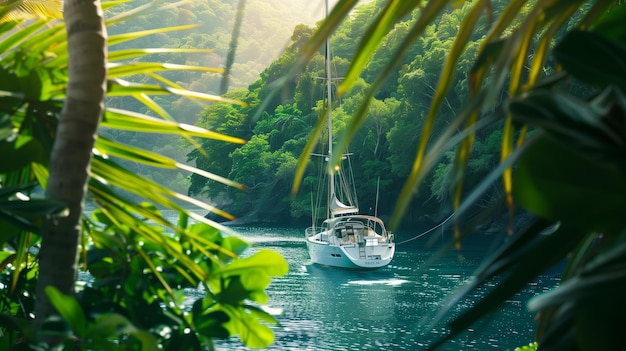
(71, 154)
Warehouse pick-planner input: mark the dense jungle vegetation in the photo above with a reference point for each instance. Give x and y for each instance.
(202, 25)
(384, 147)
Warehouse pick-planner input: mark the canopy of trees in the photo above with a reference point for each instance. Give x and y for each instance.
(383, 149)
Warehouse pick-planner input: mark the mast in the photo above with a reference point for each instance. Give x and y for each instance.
(331, 175)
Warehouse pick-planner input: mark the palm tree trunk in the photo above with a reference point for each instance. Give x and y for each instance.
(71, 154)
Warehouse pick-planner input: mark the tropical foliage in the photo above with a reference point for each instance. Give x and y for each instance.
(241, 47)
(137, 263)
(281, 122)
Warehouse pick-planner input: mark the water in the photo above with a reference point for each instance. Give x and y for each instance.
(322, 308)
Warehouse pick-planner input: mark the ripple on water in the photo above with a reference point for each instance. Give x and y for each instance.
(325, 309)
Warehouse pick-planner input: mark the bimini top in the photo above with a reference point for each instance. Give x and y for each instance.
(337, 208)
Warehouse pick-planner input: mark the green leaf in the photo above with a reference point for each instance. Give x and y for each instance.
(107, 147)
(19, 153)
(242, 287)
(553, 181)
(16, 38)
(111, 325)
(601, 279)
(119, 87)
(34, 207)
(611, 23)
(211, 324)
(68, 309)
(585, 126)
(245, 323)
(126, 120)
(12, 323)
(593, 58)
(117, 70)
(126, 54)
(123, 37)
(268, 262)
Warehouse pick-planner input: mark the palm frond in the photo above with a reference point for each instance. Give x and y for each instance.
(31, 9)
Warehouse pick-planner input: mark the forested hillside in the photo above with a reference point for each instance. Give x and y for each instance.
(265, 30)
(383, 149)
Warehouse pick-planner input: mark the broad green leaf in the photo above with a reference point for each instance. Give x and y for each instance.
(211, 324)
(611, 23)
(556, 190)
(68, 309)
(233, 292)
(13, 323)
(244, 323)
(268, 262)
(256, 284)
(235, 245)
(109, 325)
(593, 58)
(19, 153)
(585, 125)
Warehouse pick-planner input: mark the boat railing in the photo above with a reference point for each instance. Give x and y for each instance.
(310, 231)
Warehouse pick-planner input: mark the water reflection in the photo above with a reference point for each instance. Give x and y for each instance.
(323, 308)
(347, 310)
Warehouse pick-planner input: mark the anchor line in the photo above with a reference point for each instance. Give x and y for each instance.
(426, 232)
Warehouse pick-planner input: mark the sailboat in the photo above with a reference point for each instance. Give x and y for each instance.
(346, 238)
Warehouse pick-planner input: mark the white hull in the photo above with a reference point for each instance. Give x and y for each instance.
(365, 249)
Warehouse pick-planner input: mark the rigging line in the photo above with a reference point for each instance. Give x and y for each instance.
(428, 231)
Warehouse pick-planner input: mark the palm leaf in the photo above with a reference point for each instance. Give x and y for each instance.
(126, 120)
(125, 54)
(110, 148)
(119, 87)
(124, 37)
(32, 9)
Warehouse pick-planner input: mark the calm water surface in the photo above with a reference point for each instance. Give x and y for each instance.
(321, 308)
